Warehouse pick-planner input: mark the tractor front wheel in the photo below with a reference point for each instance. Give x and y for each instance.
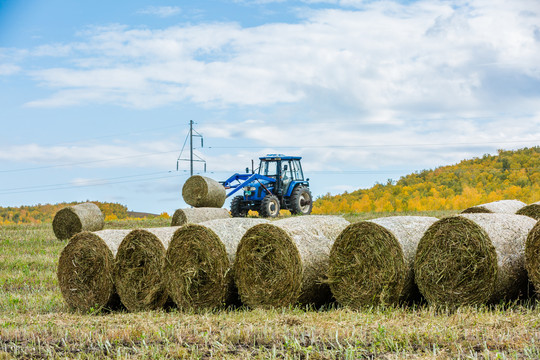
(270, 206)
(237, 208)
(301, 201)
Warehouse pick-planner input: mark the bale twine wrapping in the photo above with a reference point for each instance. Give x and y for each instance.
(532, 257)
(286, 261)
(85, 269)
(532, 210)
(500, 207)
(199, 259)
(371, 262)
(138, 268)
(198, 215)
(473, 259)
(200, 191)
(74, 219)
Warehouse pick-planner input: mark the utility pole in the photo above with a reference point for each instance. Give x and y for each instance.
(191, 134)
(191, 146)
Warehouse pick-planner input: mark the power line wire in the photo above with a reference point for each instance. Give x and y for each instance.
(88, 162)
(45, 187)
(333, 121)
(373, 145)
(91, 185)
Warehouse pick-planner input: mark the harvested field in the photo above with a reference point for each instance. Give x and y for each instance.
(198, 266)
(371, 262)
(532, 210)
(85, 269)
(500, 207)
(38, 324)
(285, 262)
(138, 270)
(200, 191)
(74, 219)
(198, 215)
(473, 259)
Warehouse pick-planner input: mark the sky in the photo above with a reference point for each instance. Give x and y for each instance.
(96, 97)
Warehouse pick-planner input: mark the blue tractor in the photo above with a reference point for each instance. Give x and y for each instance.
(277, 184)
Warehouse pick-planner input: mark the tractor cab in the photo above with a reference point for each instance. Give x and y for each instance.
(277, 184)
(286, 170)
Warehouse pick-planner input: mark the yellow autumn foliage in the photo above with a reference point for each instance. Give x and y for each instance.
(507, 175)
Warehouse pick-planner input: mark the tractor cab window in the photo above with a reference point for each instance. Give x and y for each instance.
(296, 170)
(286, 170)
(268, 168)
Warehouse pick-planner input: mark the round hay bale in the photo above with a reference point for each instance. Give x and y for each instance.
(286, 261)
(532, 210)
(200, 191)
(499, 207)
(473, 259)
(74, 219)
(532, 256)
(138, 268)
(198, 215)
(199, 259)
(85, 269)
(371, 262)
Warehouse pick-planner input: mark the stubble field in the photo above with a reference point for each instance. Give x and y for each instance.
(35, 322)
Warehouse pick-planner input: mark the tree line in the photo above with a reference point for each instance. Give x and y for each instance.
(507, 175)
(39, 213)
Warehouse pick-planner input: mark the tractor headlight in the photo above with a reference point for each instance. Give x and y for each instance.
(248, 190)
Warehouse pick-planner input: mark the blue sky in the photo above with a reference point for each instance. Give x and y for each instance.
(96, 96)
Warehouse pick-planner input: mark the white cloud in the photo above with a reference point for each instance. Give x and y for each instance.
(161, 11)
(88, 182)
(386, 57)
(160, 154)
(9, 69)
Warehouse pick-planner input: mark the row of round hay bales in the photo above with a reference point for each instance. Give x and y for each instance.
(468, 259)
(196, 264)
(465, 259)
(97, 268)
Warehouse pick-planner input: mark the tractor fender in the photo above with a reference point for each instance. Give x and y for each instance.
(293, 185)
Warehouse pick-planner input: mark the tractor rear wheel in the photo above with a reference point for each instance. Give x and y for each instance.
(237, 208)
(270, 206)
(301, 201)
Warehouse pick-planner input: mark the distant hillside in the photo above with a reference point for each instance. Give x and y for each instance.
(45, 213)
(507, 175)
